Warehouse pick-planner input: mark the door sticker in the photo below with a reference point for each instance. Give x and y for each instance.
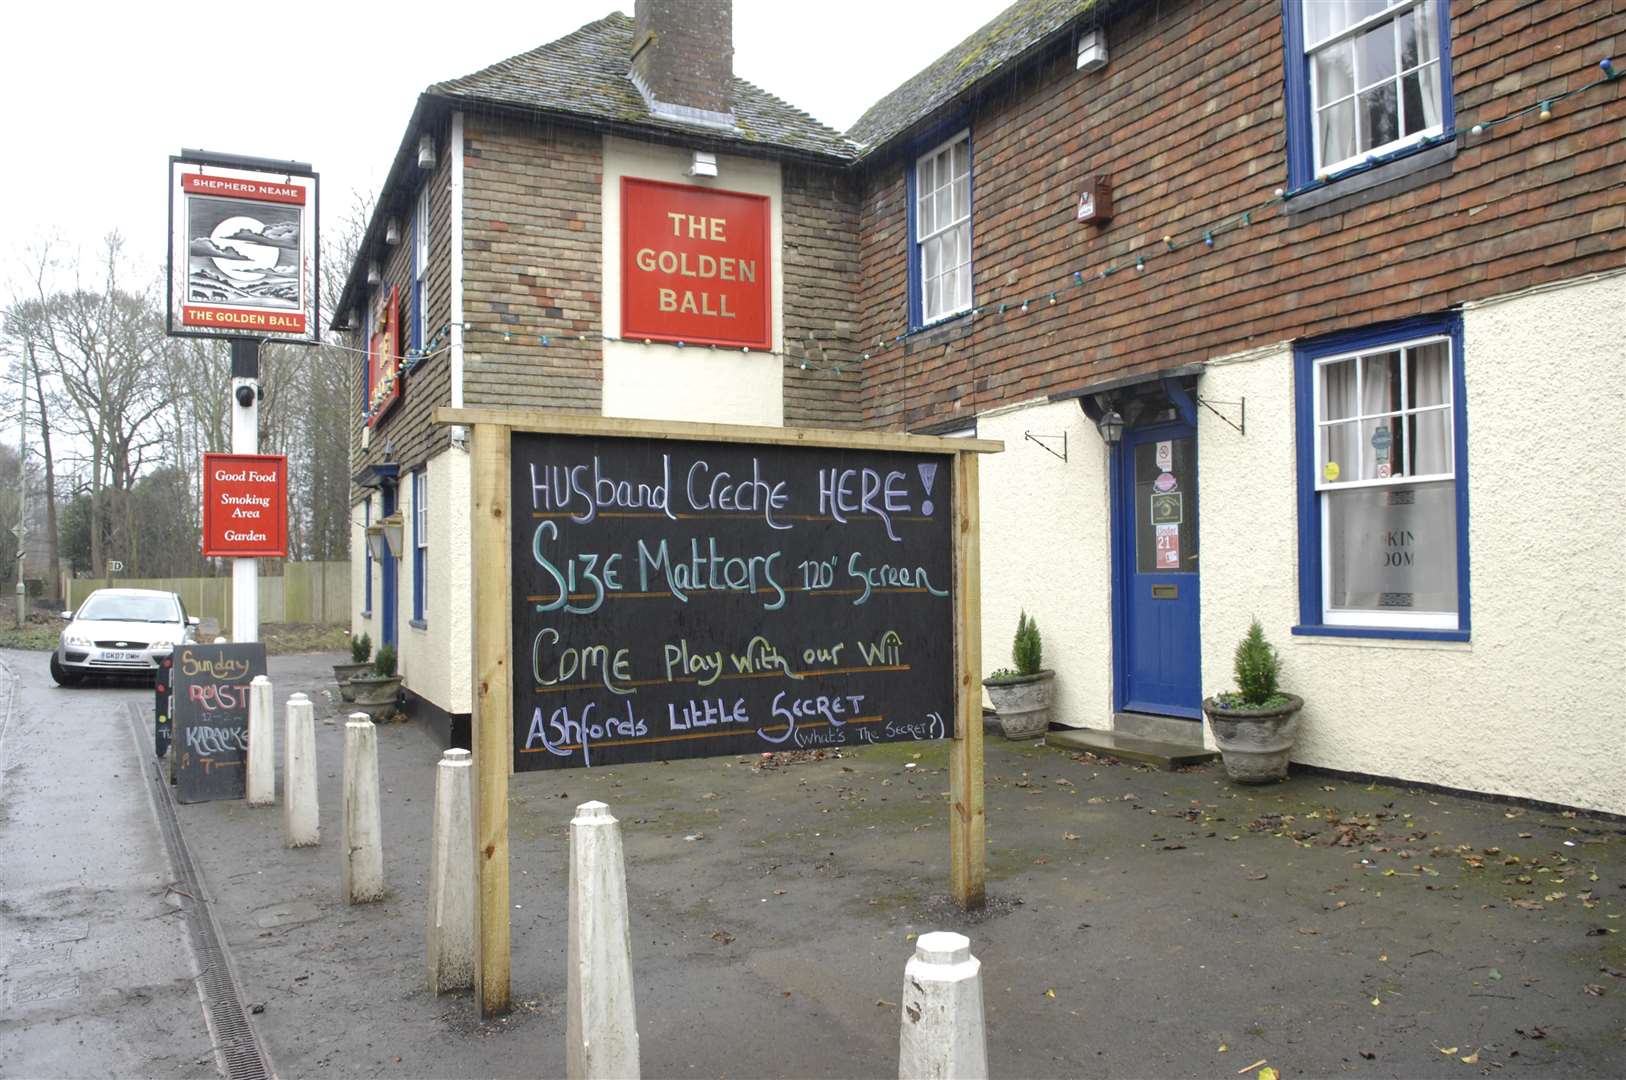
(1165, 482)
(1168, 508)
(1330, 472)
(1165, 455)
(1168, 547)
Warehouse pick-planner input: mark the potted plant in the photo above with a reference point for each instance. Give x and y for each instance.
(377, 693)
(361, 659)
(1022, 695)
(1255, 726)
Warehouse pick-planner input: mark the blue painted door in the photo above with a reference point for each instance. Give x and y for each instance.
(1155, 572)
(389, 578)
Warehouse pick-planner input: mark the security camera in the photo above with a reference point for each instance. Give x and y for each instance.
(245, 395)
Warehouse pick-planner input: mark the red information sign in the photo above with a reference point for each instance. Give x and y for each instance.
(245, 505)
(695, 265)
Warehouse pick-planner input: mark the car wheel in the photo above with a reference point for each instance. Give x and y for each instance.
(62, 675)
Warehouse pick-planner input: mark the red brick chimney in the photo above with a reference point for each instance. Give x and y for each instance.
(683, 59)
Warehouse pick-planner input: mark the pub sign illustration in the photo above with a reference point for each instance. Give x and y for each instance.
(243, 250)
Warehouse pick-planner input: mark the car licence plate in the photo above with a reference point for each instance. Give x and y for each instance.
(121, 655)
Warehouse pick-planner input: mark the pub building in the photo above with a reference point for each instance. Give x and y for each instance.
(1300, 311)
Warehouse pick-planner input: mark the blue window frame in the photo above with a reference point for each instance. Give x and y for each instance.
(420, 547)
(420, 270)
(1367, 80)
(367, 558)
(939, 183)
(1383, 482)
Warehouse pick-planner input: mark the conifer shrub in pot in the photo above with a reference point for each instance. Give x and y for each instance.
(378, 692)
(1021, 695)
(361, 661)
(1256, 724)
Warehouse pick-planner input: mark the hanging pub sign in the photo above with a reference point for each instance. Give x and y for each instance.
(695, 265)
(242, 248)
(384, 357)
(245, 506)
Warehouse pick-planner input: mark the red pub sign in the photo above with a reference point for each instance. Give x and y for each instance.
(695, 265)
(245, 505)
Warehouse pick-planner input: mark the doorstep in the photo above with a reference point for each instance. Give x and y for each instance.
(1165, 755)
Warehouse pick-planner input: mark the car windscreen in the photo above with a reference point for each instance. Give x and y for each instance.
(106, 607)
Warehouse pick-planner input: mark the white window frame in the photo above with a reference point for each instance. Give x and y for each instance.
(921, 238)
(1365, 617)
(1394, 12)
(420, 266)
(420, 533)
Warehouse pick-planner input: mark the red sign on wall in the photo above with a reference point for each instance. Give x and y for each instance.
(695, 265)
(384, 357)
(245, 505)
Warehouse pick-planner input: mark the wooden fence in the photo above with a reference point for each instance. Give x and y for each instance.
(305, 592)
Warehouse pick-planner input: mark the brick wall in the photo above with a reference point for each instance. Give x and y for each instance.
(408, 431)
(820, 223)
(683, 52)
(1188, 120)
(531, 238)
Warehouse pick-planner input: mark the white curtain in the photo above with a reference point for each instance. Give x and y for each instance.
(1428, 47)
(1431, 431)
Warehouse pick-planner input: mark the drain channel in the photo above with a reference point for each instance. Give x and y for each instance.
(229, 1027)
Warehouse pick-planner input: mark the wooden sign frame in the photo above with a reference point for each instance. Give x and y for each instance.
(492, 719)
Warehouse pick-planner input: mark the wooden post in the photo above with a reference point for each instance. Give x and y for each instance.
(967, 821)
(492, 720)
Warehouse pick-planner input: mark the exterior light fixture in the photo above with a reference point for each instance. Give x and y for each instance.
(426, 152)
(376, 546)
(392, 232)
(1111, 427)
(375, 273)
(703, 164)
(393, 535)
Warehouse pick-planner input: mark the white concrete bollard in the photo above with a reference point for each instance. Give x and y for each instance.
(451, 876)
(262, 744)
(363, 840)
(941, 1034)
(301, 824)
(601, 1021)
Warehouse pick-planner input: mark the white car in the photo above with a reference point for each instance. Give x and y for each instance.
(120, 631)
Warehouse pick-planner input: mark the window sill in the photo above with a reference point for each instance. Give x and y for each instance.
(1408, 169)
(1399, 633)
(418, 624)
(935, 333)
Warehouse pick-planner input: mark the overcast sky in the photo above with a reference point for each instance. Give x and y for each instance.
(99, 95)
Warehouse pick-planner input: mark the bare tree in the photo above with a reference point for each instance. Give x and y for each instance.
(102, 348)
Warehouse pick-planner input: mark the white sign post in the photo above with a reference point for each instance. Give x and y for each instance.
(244, 266)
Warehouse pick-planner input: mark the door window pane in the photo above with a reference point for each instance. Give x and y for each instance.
(1392, 549)
(1166, 506)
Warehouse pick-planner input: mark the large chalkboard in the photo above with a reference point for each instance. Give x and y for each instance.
(211, 719)
(677, 599)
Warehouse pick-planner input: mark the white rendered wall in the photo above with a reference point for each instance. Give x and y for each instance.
(362, 622)
(434, 656)
(1532, 705)
(1046, 549)
(664, 382)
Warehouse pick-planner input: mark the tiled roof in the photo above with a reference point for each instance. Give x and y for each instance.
(584, 74)
(1015, 30)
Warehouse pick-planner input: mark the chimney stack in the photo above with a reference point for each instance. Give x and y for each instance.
(683, 59)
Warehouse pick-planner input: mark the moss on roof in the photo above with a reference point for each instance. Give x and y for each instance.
(1007, 36)
(585, 73)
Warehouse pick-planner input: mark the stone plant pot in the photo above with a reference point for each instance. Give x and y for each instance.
(343, 673)
(1023, 703)
(1255, 743)
(374, 695)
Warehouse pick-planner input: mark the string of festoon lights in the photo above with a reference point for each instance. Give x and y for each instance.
(1077, 285)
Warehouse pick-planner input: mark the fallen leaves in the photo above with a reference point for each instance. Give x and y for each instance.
(1594, 990)
(1255, 1065)
(722, 937)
